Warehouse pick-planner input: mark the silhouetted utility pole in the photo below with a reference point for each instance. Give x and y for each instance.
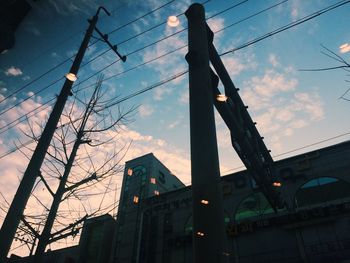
(209, 238)
(15, 213)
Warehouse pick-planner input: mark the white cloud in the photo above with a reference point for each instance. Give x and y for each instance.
(160, 92)
(344, 48)
(234, 65)
(273, 60)
(272, 83)
(184, 97)
(13, 71)
(145, 110)
(216, 24)
(175, 159)
(279, 109)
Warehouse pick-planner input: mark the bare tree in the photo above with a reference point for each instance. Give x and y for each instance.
(81, 163)
(342, 64)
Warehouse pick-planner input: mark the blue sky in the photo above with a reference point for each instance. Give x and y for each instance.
(293, 108)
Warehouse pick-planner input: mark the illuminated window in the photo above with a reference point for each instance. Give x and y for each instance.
(156, 192)
(130, 172)
(153, 180)
(136, 199)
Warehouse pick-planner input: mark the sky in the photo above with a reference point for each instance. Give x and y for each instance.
(293, 108)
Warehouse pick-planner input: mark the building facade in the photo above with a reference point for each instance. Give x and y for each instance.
(154, 221)
(155, 225)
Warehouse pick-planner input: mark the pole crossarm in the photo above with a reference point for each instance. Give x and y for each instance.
(245, 137)
(113, 47)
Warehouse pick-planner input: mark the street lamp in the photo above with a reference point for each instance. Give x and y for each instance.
(71, 76)
(173, 21)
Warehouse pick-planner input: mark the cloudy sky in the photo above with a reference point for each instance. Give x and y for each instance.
(293, 108)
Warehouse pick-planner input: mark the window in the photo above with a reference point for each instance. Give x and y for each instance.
(153, 180)
(321, 190)
(130, 172)
(135, 199)
(161, 177)
(255, 205)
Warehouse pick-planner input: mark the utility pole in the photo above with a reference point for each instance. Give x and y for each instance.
(15, 212)
(209, 237)
(208, 224)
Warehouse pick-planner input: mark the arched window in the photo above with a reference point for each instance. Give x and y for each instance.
(254, 206)
(320, 191)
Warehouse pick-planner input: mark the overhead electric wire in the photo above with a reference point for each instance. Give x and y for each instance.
(22, 118)
(104, 52)
(99, 71)
(180, 31)
(111, 105)
(288, 26)
(72, 57)
(298, 149)
(75, 34)
(153, 43)
(299, 21)
(137, 50)
(140, 17)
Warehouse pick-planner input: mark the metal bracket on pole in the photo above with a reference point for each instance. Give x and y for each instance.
(113, 47)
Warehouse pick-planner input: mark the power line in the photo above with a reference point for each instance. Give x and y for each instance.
(178, 75)
(180, 31)
(235, 23)
(288, 26)
(96, 73)
(300, 148)
(22, 118)
(71, 57)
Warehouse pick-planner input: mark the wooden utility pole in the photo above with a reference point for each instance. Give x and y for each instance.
(15, 213)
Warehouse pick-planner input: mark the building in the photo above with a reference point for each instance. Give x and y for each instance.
(144, 177)
(154, 218)
(154, 222)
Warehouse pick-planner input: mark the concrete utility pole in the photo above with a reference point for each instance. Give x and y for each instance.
(209, 238)
(13, 217)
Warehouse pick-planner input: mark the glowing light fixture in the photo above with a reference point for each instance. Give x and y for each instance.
(153, 180)
(204, 202)
(130, 172)
(277, 184)
(221, 97)
(344, 48)
(136, 199)
(173, 21)
(71, 77)
(156, 192)
(201, 234)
